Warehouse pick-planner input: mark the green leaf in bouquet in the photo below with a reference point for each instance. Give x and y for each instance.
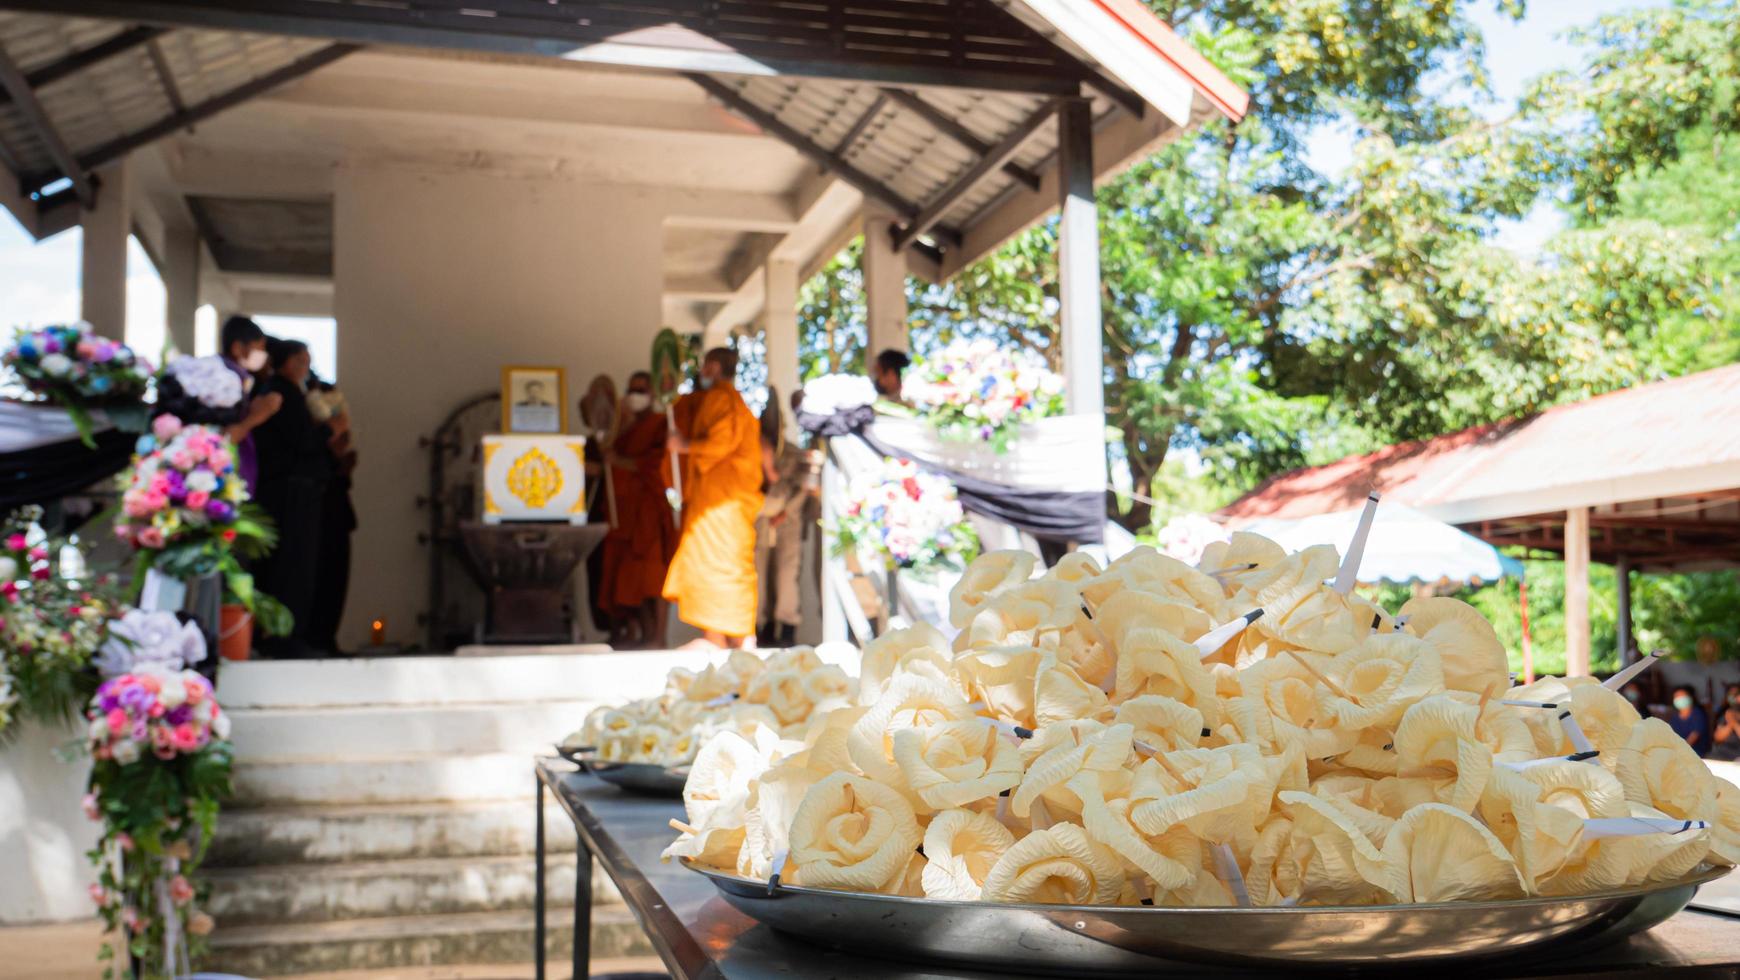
(274, 617)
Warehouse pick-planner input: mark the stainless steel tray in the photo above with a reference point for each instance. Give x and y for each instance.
(642, 778)
(1078, 940)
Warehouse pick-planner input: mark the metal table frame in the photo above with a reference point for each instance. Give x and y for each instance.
(670, 939)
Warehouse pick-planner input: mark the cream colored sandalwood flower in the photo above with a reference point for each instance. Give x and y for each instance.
(854, 834)
(1059, 865)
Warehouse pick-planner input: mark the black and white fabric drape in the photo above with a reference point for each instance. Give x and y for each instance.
(1051, 483)
(42, 459)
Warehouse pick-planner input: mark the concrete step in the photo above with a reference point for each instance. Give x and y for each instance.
(313, 734)
(315, 834)
(476, 938)
(404, 779)
(604, 676)
(378, 889)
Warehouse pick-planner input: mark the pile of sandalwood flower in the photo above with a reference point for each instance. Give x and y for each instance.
(745, 694)
(1229, 734)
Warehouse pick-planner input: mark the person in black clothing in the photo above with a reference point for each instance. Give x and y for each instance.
(337, 522)
(295, 468)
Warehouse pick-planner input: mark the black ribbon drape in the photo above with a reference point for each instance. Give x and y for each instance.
(1048, 514)
(44, 474)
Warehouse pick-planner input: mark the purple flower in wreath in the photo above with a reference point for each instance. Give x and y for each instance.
(51, 346)
(220, 510)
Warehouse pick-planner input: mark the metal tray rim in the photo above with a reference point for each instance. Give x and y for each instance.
(1702, 875)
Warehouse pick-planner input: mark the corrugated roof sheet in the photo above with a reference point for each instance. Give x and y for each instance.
(122, 94)
(900, 148)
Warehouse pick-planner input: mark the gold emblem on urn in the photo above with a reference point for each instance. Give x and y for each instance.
(534, 478)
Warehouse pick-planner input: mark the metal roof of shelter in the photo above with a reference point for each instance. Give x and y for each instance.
(932, 108)
(1657, 464)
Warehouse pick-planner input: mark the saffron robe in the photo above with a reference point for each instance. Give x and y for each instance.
(637, 551)
(712, 577)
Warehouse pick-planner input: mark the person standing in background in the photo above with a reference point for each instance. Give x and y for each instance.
(886, 374)
(712, 576)
(597, 423)
(782, 527)
(295, 466)
(1689, 721)
(337, 520)
(1725, 743)
(643, 537)
(242, 345)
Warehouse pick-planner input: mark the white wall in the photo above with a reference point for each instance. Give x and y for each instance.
(439, 281)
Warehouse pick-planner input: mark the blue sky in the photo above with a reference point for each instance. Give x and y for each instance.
(39, 282)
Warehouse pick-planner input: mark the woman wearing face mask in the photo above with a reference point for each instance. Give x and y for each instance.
(1689, 721)
(637, 552)
(295, 465)
(243, 348)
(1726, 743)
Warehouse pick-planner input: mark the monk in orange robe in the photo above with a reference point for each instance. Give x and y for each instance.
(638, 549)
(712, 577)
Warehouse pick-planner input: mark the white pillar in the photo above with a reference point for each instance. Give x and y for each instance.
(884, 287)
(180, 285)
(780, 323)
(1577, 592)
(103, 266)
(1078, 260)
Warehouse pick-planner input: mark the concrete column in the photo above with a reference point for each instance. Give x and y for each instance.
(103, 264)
(1577, 592)
(884, 287)
(181, 285)
(1078, 261)
(780, 323)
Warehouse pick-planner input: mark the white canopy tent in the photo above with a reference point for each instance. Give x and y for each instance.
(1406, 547)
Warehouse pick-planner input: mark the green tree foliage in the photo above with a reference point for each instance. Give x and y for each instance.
(1265, 315)
(1268, 316)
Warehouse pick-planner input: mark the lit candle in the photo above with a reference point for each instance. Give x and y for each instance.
(378, 632)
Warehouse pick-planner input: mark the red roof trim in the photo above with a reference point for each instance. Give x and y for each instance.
(1220, 90)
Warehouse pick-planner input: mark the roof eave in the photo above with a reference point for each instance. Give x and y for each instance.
(1126, 41)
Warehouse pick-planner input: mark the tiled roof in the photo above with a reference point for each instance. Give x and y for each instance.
(1670, 437)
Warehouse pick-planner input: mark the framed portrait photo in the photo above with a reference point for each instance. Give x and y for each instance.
(534, 399)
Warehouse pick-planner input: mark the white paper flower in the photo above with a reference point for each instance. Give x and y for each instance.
(208, 379)
(56, 365)
(140, 639)
(837, 392)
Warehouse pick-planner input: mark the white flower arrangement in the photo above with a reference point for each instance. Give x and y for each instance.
(975, 390)
(833, 393)
(141, 639)
(207, 379)
(1186, 536)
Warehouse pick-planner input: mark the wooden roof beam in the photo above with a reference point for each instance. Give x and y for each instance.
(121, 146)
(844, 148)
(13, 82)
(993, 160)
(829, 160)
(122, 41)
(947, 125)
(166, 78)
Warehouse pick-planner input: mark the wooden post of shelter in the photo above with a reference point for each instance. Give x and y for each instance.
(1622, 577)
(1577, 592)
(1079, 261)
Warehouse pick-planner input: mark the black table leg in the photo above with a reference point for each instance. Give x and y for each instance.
(582, 910)
(538, 901)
